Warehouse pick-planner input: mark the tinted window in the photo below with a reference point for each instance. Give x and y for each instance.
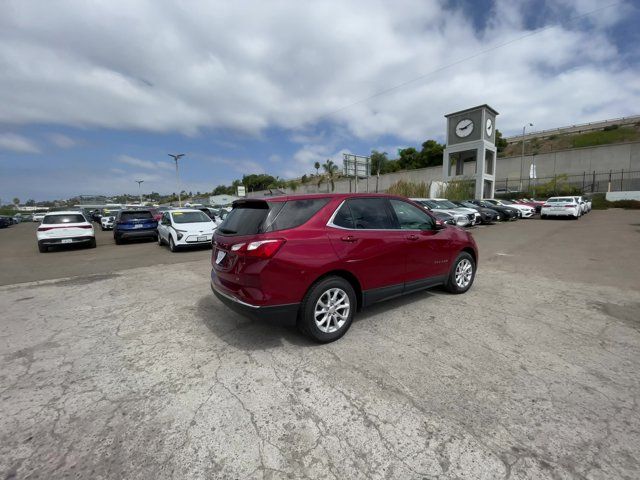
(190, 217)
(371, 214)
(343, 217)
(249, 217)
(68, 218)
(295, 213)
(135, 215)
(410, 217)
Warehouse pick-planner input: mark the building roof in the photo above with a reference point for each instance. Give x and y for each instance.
(484, 105)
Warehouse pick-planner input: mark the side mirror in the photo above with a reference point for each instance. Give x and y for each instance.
(440, 225)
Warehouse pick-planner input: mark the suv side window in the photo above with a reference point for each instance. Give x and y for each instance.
(371, 214)
(343, 217)
(410, 217)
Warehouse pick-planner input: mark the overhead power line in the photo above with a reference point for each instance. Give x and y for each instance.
(465, 59)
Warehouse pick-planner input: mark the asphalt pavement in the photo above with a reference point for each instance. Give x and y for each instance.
(131, 369)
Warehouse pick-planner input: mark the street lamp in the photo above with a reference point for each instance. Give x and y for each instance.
(522, 158)
(176, 157)
(140, 182)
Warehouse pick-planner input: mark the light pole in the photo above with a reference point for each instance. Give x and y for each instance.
(176, 157)
(140, 182)
(522, 158)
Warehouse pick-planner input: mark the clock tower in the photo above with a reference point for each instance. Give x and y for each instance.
(471, 139)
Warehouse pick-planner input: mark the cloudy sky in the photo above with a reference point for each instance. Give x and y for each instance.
(95, 94)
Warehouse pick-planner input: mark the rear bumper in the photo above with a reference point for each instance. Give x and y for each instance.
(136, 233)
(280, 314)
(49, 242)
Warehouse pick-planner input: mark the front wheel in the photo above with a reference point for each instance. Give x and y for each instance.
(160, 240)
(327, 309)
(462, 274)
(172, 245)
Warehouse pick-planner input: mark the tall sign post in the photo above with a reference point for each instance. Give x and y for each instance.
(471, 136)
(357, 166)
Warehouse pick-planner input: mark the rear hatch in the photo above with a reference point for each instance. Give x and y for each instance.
(65, 226)
(251, 236)
(137, 220)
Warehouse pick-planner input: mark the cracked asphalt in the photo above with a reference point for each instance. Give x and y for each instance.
(141, 373)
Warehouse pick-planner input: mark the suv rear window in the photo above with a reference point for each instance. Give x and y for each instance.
(259, 216)
(140, 215)
(67, 218)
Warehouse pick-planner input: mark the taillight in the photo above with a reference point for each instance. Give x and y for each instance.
(569, 206)
(261, 249)
(44, 229)
(545, 205)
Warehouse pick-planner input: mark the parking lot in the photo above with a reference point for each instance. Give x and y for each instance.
(117, 362)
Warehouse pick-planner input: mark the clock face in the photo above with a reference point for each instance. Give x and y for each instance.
(464, 128)
(489, 127)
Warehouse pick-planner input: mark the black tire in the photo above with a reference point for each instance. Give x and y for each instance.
(306, 320)
(101, 228)
(452, 285)
(92, 243)
(117, 239)
(160, 242)
(542, 217)
(42, 248)
(172, 245)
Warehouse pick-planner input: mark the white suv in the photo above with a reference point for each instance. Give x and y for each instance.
(64, 228)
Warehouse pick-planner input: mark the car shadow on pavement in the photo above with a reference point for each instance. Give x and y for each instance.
(247, 334)
(244, 333)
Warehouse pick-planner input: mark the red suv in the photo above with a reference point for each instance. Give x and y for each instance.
(316, 259)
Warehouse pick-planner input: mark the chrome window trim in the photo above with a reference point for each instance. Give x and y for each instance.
(335, 212)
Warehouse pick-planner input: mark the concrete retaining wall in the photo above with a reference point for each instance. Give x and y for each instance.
(621, 156)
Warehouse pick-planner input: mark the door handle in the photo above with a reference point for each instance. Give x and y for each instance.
(349, 238)
(412, 237)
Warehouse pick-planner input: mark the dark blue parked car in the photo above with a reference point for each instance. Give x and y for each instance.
(131, 224)
(5, 221)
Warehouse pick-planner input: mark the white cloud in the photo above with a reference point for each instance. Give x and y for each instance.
(164, 67)
(145, 164)
(62, 141)
(17, 143)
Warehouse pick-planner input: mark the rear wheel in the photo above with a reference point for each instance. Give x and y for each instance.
(43, 248)
(92, 243)
(462, 274)
(327, 310)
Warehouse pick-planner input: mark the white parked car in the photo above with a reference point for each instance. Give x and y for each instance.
(65, 228)
(462, 219)
(561, 207)
(108, 218)
(37, 217)
(184, 227)
(583, 205)
(525, 210)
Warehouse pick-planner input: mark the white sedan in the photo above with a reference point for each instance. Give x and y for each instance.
(65, 228)
(185, 227)
(37, 217)
(561, 207)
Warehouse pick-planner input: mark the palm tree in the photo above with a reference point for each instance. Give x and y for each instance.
(317, 167)
(330, 170)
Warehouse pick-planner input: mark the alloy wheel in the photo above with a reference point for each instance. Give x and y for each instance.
(332, 310)
(464, 272)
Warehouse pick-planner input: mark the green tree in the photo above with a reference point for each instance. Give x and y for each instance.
(304, 179)
(317, 167)
(16, 201)
(501, 143)
(378, 161)
(331, 171)
(30, 203)
(255, 182)
(409, 158)
(431, 154)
